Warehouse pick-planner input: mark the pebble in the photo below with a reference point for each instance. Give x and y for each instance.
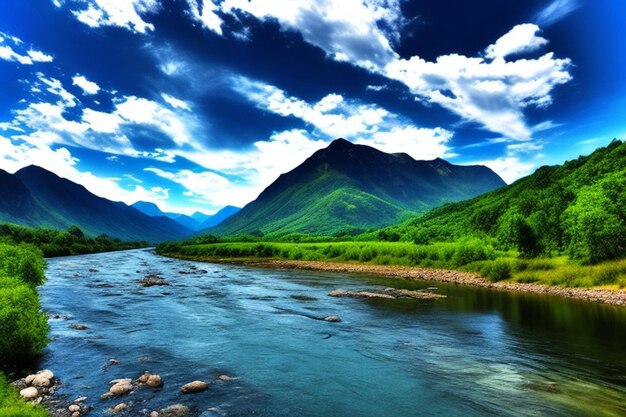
(29, 393)
(195, 386)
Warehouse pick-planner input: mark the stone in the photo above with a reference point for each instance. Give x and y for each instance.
(360, 294)
(154, 414)
(73, 408)
(154, 381)
(195, 386)
(120, 407)
(41, 381)
(78, 326)
(226, 378)
(176, 410)
(107, 395)
(29, 379)
(121, 388)
(76, 414)
(29, 393)
(80, 399)
(144, 378)
(332, 319)
(117, 381)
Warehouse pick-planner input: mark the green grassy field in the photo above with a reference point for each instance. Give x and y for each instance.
(471, 255)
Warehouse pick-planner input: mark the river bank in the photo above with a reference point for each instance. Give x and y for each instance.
(600, 295)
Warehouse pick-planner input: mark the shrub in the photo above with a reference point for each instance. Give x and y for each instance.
(497, 270)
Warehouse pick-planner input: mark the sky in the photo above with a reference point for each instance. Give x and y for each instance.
(198, 104)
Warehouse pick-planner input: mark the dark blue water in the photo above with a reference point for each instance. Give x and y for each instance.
(475, 353)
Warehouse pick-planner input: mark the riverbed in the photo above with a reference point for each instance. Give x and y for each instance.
(477, 352)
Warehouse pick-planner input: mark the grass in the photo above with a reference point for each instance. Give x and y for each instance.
(472, 255)
(11, 405)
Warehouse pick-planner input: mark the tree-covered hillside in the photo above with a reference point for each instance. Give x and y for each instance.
(578, 209)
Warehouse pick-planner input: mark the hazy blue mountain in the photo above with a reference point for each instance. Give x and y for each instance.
(36, 197)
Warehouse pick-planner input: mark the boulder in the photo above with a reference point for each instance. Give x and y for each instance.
(78, 326)
(176, 410)
(119, 407)
(76, 414)
(41, 381)
(80, 399)
(29, 393)
(144, 378)
(117, 381)
(121, 388)
(73, 408)
(332, 319)
(195, 386)
(154, 381)
(29, 379)
(154, 414)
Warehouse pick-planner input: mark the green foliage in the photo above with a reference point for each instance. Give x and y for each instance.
(578, 209)
(23, 327)
(11, 405)
(58, 243)
(497, 270)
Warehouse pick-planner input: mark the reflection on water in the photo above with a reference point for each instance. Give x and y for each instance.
(476, 353)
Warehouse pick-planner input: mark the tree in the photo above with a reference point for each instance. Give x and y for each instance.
(76, 232)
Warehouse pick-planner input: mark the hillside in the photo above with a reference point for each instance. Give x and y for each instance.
(578, 209)
(38, 198)
(347, 188)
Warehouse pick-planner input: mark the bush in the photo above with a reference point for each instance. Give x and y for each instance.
(23, 261)
(23, 327)
(497, 270)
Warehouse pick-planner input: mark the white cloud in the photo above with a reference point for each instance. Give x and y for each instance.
(510, 168)
(54, 86)
(492, 93)
(347, 30)
(88, 87)
(420, 143)
(333, 116)
(555, 11)
(521, 39)
(128, 14)
(203, 11)
(175, 103)
(22, 55)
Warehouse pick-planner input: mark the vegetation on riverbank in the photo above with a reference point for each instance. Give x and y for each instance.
(470, 255)
(63, 243)
(23, 327)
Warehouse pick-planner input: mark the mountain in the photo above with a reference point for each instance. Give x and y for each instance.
(196, 222)
(578, 209)
(153, 210)
(200, 217)
(36, 197)
(219, 217)
(349, 188)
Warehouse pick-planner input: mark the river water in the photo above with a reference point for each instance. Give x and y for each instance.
(475, 353)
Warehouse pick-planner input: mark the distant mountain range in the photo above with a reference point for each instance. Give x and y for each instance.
(196, 222)
(348, 188)
(39, 198)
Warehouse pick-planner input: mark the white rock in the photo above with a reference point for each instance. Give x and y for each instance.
(41, 380)
(117, 381)
(46, 373)
(29, 379)
(73, 408)
(121, 388)
(29, 393)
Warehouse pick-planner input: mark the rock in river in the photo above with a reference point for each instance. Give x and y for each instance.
(121, 387)
(176, 410)
(332, 319)
(195, 386)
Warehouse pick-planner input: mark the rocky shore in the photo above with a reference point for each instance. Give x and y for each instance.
(606, 296)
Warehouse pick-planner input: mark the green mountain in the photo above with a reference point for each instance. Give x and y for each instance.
(347, 188)
(38, 198)
(578, 209)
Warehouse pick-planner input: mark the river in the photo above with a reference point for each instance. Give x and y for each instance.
(476, 353)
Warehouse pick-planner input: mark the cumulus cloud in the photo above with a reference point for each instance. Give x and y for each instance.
(521, 39)
(88, 87)
(334, 116)
(12, 49)
(493, 93)
(127, 14)
(204, 12)
(356, 31)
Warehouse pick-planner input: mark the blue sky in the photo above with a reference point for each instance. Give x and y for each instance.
(197, 104)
